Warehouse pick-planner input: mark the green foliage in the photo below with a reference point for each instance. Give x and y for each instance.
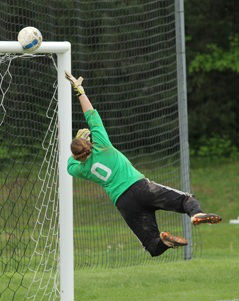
(213, 68)
(215, 147)
(217, 58)
(212, 106)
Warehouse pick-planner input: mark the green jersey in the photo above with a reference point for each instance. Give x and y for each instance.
(106, 165)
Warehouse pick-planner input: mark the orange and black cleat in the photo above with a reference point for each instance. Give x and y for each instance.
(202, 218)
(172, 241)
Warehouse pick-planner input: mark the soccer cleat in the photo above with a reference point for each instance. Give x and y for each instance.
(201, 218)
(172, 241)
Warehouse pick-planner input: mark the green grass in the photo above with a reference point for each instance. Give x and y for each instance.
(215, 184)
(214, 276)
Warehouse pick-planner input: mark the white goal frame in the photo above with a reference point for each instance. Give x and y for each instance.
(63, 52)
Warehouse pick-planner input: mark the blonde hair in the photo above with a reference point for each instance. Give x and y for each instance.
(81, 148)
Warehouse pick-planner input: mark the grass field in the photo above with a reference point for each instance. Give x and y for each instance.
(211, 277)
(214, 276)
(216, 185)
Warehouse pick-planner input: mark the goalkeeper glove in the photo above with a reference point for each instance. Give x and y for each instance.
(76, 83)
(83, 133)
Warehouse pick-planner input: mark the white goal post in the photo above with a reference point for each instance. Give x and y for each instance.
(63, 52)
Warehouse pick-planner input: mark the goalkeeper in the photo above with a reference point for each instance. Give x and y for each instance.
(136, 197)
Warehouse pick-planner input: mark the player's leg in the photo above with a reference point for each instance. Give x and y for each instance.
(144, 226)
(143, 222)
(167, 198)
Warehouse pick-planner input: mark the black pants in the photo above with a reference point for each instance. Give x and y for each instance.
(138, 204)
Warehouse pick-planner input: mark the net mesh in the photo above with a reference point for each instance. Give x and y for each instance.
(127, 54)
(126, 51)
(29, 178)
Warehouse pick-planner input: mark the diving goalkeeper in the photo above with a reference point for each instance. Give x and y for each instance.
(137, 198)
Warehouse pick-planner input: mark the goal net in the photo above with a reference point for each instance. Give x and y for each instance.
(29, 207)
(126, 51)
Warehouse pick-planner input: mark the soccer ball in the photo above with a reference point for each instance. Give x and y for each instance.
(30, 38)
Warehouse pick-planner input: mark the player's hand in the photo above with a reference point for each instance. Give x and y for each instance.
(76, 83)
(83, 133)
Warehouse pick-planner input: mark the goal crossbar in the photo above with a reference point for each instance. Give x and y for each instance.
(63, 52)
(46, 47)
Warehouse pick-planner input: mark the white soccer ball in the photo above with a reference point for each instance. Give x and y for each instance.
(30, 38)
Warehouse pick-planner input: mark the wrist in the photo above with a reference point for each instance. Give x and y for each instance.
(82, 96)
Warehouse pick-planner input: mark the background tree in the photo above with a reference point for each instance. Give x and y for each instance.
(213, 69)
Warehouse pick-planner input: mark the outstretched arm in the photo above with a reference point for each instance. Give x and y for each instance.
(85, 103)
(97, 129)
(76, 84)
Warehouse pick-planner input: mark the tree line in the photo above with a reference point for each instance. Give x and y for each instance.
(212, 53)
